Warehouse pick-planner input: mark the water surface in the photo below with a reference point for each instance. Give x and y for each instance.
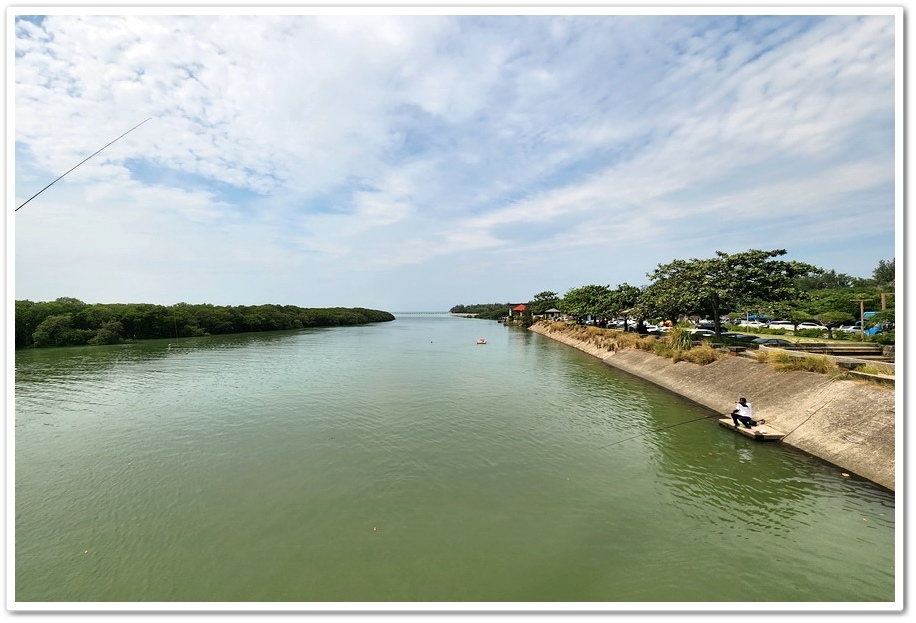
(403, 462)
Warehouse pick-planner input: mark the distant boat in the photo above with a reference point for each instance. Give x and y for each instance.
(481, 341)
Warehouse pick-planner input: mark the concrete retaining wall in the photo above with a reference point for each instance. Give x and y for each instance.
(847, 423)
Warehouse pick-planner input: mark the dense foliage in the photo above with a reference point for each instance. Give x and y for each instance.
(487, 311)
(738, 285)
(726, 283)
(71, 322)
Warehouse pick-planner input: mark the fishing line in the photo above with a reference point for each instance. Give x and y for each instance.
(705, 417)
(829, 400)
(112, 142)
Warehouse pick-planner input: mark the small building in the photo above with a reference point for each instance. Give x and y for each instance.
(517, 310)
(553, 313)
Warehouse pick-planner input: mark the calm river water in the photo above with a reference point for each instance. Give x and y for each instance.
(403, 462)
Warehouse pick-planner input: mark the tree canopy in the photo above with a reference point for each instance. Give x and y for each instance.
(726, 283)
(884, 274)
(543, 301)
(591, 299)
(754, 281)
(71, 322)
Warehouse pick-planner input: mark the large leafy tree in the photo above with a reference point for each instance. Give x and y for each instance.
(543, 301)
(827, 279)
(843, 300)
(833, 319)
(884, 274)
(624, 300)
(726, 283)
(55, 331)
(658, 301)
(590, 299)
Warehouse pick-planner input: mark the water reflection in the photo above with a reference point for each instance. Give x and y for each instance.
(254, 467)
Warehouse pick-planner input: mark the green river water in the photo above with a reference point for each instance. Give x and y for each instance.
(402, 462)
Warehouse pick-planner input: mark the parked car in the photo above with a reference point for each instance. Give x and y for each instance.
(706, 324)
(771, 341)
(702, 333)
(751, 323)
(739, 337)
(811, 325)
(781, 324)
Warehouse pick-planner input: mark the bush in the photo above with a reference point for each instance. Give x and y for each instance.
(701, 355)
(846, 336)
(815, 333)
(885, 338)
(676, 345)
(867, 369)
(784, 361)
(678, 339)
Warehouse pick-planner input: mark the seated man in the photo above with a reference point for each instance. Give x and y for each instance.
(743, 414)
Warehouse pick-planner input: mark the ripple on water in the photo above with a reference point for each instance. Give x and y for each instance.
(249, 468)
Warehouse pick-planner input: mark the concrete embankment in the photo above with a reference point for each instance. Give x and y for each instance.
(847, 423)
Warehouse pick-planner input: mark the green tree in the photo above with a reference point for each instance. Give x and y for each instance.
(37, 324)
(66, 305)
(833, 319)
(624, 302)
(727, 283)
(884, 273)
(543, 301)
(214, 320)
(825, 279)
(108, 333)
(54, 331)
(27, 320)
(843, 300)
(657, 300)
(487, 311)
(591, 299)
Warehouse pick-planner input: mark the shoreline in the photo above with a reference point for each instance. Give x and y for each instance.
(846, 423)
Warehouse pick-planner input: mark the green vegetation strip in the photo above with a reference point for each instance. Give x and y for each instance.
(71, 322)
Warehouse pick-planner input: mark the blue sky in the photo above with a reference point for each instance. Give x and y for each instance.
(415, 162)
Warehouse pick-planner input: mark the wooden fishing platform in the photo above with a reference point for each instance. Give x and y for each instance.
(763, 432)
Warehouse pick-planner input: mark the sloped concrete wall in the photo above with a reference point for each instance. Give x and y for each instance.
(847, 423)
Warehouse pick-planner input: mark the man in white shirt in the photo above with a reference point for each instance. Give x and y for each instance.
(744, 414)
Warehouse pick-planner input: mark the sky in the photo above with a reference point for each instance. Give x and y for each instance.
(413, 162)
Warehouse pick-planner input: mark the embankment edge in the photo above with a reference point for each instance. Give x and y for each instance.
(846, 423)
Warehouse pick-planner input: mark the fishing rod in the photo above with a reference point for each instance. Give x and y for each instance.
(61, 177)
(705, 417)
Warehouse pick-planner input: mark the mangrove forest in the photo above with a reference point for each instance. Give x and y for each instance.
(71, 322)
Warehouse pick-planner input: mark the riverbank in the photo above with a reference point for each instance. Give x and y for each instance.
(847, 423)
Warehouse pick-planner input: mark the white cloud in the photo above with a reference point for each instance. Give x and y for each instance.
(347, 143)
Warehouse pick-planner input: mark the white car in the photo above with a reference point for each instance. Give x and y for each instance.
(702, 333)
(811, 325)
(781, 324)
(751, 323)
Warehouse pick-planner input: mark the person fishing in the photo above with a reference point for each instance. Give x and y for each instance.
(744, 414)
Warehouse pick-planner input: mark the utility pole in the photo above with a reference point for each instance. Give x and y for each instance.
(884, 296)
(861, 303)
